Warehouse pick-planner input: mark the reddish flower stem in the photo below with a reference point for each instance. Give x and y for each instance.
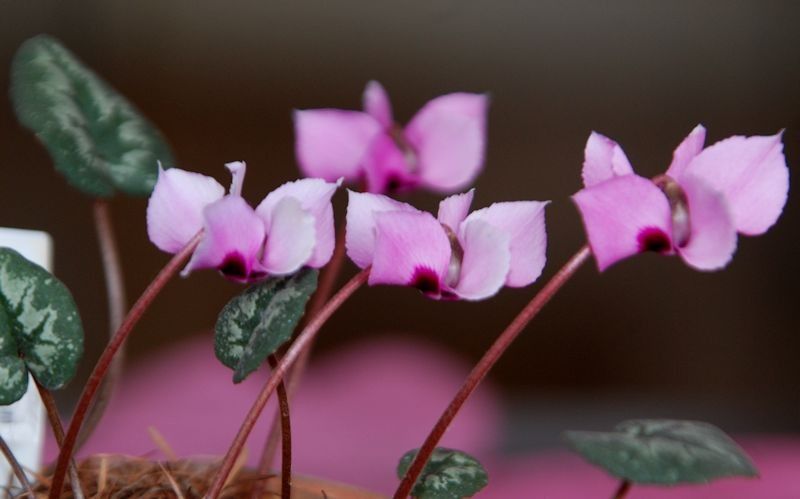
(622, 490)
(286, 436)
(483, 366)
(303, 341)
(106, 358)
(284, 419)
(16, 467)
(117, 303)
(327, 281)
(58, 431)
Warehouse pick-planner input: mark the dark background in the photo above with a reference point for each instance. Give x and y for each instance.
(648, 337)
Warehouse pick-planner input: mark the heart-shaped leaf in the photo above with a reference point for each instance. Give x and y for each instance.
(256, 323)
(448, 474)
(39, 327)
(96, 138)
(663, 451)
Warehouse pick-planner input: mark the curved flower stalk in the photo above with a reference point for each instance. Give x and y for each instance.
(694, 210)
(291, 228)
(457, 255)
(441, 148)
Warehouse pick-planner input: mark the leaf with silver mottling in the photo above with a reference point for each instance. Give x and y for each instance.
(663, 452)
(256, 323)
(39, 325)
(448, 474)
(97, 139)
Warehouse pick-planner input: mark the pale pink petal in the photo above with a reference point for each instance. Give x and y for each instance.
(315, 197)
(686, 151)
(386, 167)
(331, 143)
(237, 169)
(377, 105)
(624, 216)
(486, 261)
(449, 137)
(362, 209)
(523, 222)
(453, 210)
(411, 249)
(232, 242)
(603, 160)
(752, 174)
(290, 237)
(175, 208)
(713, 236)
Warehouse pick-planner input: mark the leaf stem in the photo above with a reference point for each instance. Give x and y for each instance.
(106, 358)
(303, 341)
(486, 362)
(286, 436)
(117, 303)
(622, 490)
(326, 283)
(284, 429)
(18, 471)
(58, 431)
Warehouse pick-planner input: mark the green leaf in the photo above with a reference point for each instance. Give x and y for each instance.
(97, 139)
(13, 375)
(39, 326)
(256, 323)
(663, 451)
(448, 474)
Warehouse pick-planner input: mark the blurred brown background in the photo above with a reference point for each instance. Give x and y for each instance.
(648, 337)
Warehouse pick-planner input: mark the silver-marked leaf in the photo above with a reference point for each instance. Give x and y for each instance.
(663, 451)
(448, 474)
(97, 139)
(39, 322)
(256, 323)
(13, 375)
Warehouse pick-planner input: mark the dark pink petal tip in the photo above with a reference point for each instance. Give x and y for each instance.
(426, 280)
(655, 240)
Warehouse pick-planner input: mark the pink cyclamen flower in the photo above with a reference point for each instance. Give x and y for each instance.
(453, 256)
(291, 228)
(695, 209)
(441, 148)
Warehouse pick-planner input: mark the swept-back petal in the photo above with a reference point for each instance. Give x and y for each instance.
(331, 143)
(175, 208)
(290, 237)
(523, 223)
(449, 136)
(411, 249)
(603, 160)
(713, 235)
(453, 210)
(362, 210)
(233, 240)
(624, 216)
(238, 170)
(377, 105)
(686, 151)
(486, 262)
(314, 195)
(752, 174)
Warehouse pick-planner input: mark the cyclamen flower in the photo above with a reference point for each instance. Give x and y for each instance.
(291, 228)
(441, 148)
(453, 256)
(694, 210)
